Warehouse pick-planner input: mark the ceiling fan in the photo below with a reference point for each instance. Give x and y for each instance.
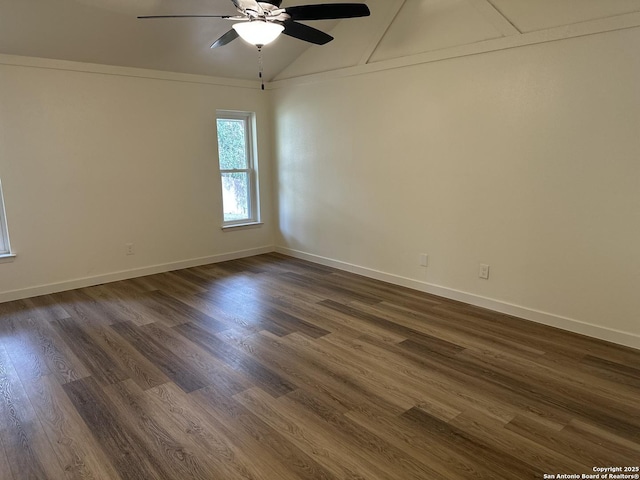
(261, 22)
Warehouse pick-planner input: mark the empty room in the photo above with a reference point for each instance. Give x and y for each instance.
(307, 239)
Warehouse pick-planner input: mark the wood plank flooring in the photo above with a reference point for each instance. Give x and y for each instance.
(274, 368)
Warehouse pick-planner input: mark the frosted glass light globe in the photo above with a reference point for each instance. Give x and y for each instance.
(258, 32)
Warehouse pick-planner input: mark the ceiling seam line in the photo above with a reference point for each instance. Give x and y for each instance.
(490, 2)
(373, 46)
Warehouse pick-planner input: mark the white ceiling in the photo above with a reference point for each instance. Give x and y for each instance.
(533, 15)
(107, 32)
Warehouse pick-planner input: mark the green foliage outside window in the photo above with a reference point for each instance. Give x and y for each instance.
(232, 151)
(232, 145)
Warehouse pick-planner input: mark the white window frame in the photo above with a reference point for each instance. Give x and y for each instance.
(248, 118)
(5, 245)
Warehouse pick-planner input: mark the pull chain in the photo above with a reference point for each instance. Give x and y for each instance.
(260, 67)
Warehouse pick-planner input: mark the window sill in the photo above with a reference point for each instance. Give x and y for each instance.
(7, 257)
(242, 226)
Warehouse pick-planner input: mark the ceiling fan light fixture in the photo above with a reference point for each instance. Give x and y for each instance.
(258, 32)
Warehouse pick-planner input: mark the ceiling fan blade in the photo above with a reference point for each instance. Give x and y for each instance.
(328, 11)
(228, 37)
(305, 32)
(184, 16)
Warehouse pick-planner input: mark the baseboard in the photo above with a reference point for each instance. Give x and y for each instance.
(126, 274)
(576, 326)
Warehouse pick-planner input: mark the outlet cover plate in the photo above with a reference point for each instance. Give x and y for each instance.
(484, 271)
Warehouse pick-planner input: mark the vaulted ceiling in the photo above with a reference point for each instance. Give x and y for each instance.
(107, 32)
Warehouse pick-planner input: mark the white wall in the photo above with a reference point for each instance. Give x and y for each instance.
(91, 161)
(526, 159)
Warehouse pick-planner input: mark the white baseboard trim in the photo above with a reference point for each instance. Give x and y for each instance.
(126, 274)
(616, 336)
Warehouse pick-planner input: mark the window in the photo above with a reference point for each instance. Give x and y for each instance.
(5, 248)
(236, 151)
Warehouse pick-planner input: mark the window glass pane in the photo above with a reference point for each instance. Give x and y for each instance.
(235, 196)
(232, 144)
(4, 241)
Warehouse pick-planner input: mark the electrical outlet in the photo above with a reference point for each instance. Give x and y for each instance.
(424, 260)
(484, 271)
(129, 250)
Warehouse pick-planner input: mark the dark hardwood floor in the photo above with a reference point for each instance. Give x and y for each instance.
(274, 368)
